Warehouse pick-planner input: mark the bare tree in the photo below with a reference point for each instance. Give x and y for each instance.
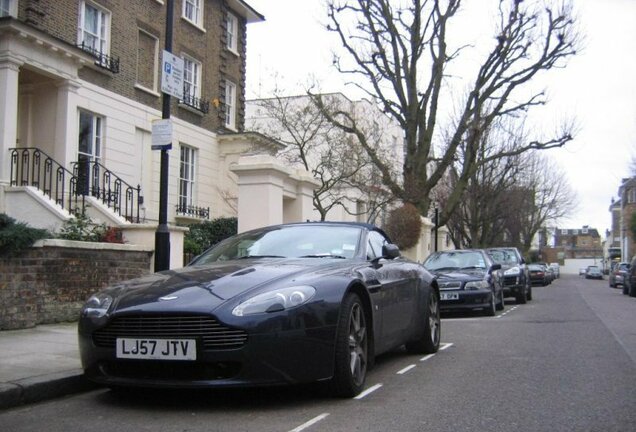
(397, 52)
(332, 156)
(507, 201)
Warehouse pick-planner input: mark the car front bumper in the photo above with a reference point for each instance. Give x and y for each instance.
(467, 299)
(286, 356)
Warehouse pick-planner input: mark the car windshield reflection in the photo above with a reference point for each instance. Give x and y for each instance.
(302, 241)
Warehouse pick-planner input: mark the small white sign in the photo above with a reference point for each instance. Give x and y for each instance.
(172, 75)
(162, 134)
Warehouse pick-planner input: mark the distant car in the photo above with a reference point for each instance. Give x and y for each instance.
(283, 304)
(516, 279)
(593, 272)
(630, 279)
(467, 279)
(582, 271)
(556, 269)
(538, 274)
(618, 275)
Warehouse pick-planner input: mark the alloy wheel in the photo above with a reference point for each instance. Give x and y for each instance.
(357, 344)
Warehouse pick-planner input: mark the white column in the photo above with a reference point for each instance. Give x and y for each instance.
(66, 124)
(9, 71)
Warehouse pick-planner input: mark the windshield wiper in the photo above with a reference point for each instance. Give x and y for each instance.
(444, 269)
(472, 268)
(260, 256)
(323, 255)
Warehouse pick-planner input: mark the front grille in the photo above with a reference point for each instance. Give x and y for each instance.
(210, 332)
(511, 280)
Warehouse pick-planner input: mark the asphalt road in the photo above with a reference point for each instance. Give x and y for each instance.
(565, 361)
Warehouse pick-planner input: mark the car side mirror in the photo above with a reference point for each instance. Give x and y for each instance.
(522, 261)
(495, 267)
(390, 251)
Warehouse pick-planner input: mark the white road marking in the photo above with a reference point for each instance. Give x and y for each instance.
(507, 312)
(405, 370)
(368, 391)
(310, 422)
(427, 357)
(444, 346)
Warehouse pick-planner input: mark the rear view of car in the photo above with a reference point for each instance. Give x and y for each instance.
(593, 272)
(618, 274)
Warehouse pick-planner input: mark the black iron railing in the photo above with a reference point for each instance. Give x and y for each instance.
(101, 59)
(95, 180)
(193, 211)
(196, 103)
(32, 167)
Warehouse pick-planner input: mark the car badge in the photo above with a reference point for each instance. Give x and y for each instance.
(172, 297)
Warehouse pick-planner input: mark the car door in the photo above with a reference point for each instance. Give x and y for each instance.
(398, 289)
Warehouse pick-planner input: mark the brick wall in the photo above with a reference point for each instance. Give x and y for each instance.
(50, 282)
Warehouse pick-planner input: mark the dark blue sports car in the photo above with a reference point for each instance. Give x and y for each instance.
(284, 304)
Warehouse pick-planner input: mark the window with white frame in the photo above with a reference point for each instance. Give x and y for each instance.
(231, 32)
(94, 28)
(193, 11)
(187, 167)
(230, 105)
(8, 8)
(191, 80)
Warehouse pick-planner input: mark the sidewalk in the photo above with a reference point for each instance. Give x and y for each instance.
(39, 363)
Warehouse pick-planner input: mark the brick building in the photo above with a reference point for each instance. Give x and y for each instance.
(80, 88)
(578, 243)
(626, 218)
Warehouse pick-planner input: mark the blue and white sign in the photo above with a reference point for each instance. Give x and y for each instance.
(172, 75)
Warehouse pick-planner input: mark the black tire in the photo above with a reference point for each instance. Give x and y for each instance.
(491, 309)
(625, 289)
(352, 349)
(502, 303)
(430, 340)
(522, 298)
(529, 293)
(632, 290)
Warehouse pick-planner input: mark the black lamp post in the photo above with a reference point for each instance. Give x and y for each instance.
(162, 235)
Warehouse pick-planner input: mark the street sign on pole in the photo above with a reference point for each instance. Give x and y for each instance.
(162, 134)
(172, 75)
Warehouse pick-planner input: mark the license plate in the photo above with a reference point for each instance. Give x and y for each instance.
(449, 296)
(157, 349)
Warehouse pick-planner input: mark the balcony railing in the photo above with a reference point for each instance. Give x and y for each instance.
(193, 211)
(196, 103)
(32, 167)
(101, 59)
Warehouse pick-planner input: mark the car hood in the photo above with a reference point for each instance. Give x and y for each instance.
(205, 287)
(457, 275)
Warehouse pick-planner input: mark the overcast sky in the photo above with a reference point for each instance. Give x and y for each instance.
(598, 87)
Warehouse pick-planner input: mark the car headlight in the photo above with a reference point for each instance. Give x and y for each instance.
(512, 271)
(475, 285)
(97, 305)
(275, 301)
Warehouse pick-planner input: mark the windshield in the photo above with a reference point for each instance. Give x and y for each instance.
(444, 261)
(310, 241)
(503, 256)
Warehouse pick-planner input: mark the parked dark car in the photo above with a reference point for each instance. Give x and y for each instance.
(467, 279)
(538, 274)
(630, 279)
(291, 303)
(593, 272)
(516, 278)
(618, 274)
